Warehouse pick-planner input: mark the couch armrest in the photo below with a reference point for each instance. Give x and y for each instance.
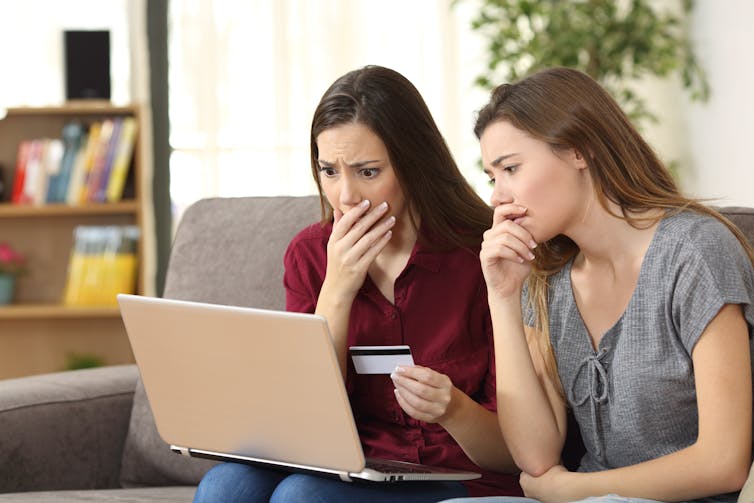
(65, 430)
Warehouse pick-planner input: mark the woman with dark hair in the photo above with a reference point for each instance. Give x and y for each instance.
(394, 261)
(614, 296)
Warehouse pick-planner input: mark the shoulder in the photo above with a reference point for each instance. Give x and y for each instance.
(694, 236)
(693, 227)
(309, 240)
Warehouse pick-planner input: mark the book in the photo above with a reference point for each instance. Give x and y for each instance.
(77, 191)
(19, 176)
(99, 159)
(122, 161)
(78, 171)
(100, 190)
(50, 160)
(57, 190)
(34, 171)
(102, 264)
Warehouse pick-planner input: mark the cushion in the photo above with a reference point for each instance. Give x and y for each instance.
(226, 251)
(148, 460)
(144, 495)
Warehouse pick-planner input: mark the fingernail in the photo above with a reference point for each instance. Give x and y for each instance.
(531, 256)
(382, 206)
(364, 203)
(400, 369)
(391, 220)
(532, 244)
(394, 376)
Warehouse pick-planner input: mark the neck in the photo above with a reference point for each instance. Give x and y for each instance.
(607, 241)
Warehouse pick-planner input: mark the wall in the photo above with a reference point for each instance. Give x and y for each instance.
(710, 141)
(721, 133)
(32, 59)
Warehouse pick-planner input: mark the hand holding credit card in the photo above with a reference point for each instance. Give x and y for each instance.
(380, 359)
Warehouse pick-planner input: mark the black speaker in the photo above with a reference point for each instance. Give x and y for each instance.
(87, 65)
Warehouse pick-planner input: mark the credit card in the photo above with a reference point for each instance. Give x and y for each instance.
(380, 359)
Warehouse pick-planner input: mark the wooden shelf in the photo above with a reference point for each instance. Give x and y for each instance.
(55, 311)
(94, 107)
(51, 210)
(37, 331)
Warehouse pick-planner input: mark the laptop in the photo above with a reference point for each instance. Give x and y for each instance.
(253, 386)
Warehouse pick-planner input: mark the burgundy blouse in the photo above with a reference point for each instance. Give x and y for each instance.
(441, 312)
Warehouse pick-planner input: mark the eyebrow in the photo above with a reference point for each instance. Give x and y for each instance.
(500, 159)
(359, 164)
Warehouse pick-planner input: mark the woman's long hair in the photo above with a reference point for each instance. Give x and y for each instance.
(390, 106)
(567, 109)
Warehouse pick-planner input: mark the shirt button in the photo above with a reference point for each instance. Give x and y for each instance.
(393, 315)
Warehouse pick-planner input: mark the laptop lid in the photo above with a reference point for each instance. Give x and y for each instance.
(243, 381)
(252, 385)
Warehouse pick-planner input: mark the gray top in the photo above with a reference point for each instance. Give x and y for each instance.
(634, 397)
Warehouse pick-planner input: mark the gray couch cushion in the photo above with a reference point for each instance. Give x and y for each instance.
(64, 430)
(742, 217)
(226, 251)
(152, 494)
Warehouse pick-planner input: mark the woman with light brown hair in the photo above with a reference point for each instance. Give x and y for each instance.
(614, 296)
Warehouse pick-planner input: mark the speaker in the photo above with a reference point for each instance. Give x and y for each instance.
(87, 64)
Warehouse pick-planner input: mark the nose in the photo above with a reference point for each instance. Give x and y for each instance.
(349, 193)
(500, 193)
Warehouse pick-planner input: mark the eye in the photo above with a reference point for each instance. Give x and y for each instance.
(491, 181)
(369, 172)
(511, 168)
(327, 171)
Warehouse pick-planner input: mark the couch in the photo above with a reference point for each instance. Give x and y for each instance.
(89, 435)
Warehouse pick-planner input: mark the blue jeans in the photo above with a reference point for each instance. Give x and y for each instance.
(237, 483)
(610, 498)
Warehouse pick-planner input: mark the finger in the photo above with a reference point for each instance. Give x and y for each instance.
(436, 390)
(407, 408)
(337, 215)
(367, 221)
(506, 246)
(417, 406)
(370, 245)
(421, 374)
(510, 227)
(348, 219)
(508, 212)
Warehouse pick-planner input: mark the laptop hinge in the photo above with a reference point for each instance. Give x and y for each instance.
(345, 477)
(183, 451)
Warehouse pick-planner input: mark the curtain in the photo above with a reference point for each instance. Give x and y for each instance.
(245, 78)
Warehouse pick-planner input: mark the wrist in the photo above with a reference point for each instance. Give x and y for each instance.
(455, 412)
(505, 297)
(332, 297)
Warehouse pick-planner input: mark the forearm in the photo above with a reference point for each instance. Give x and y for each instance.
(525, 413)
(687, 474)
(477, 432)
(336, 309)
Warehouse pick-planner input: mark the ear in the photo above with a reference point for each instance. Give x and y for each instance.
(579, 162)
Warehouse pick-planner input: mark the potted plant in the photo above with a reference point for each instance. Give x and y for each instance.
(616, 43)
(12, 264)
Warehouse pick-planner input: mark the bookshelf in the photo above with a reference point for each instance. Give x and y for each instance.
(38, 332)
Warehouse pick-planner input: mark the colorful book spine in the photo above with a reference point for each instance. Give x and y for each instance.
(19, 177)
(103, 263)
(122, 161)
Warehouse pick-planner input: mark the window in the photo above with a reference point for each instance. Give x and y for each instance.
(245, 78)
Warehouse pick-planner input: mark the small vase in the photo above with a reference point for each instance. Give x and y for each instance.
(7, 284)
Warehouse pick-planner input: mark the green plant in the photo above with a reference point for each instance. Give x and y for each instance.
(75, 361)
(616, 43)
